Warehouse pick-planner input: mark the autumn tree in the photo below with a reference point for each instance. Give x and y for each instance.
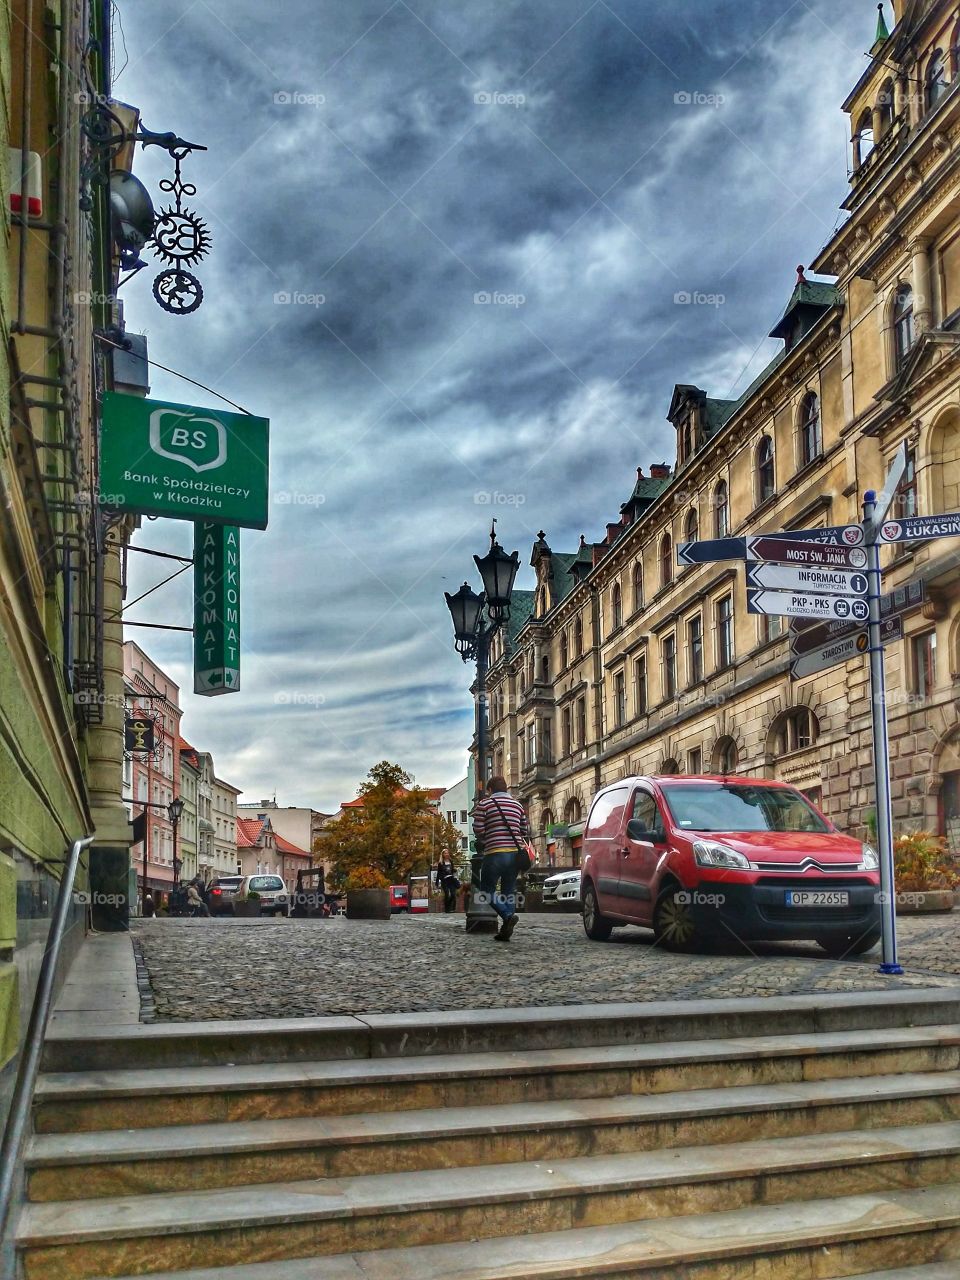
(389, 833)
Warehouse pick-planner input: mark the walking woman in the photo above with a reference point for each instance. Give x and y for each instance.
(500, 826)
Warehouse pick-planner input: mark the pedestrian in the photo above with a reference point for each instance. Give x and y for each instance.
(447, 879)
(149, 906)
(501, 828)
(195, 903)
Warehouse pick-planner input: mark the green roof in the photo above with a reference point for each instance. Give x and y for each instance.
(521, 609)
(563, 580)
(716, 413)
(883, 32)
(808, 293)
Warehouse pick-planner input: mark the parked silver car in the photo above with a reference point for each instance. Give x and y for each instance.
(274, 899)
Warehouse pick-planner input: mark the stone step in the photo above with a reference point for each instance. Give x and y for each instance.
(819, 1239)
(85, 1101)
(70, 1048)
(141, 1161)
(932, 1271)
(78, 1239)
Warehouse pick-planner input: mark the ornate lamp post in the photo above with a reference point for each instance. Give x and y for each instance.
(175, 812)
(476, 618)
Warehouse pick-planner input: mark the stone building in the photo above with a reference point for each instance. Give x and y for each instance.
(263, 850)
(620, 662)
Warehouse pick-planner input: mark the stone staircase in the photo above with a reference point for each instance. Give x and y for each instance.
(798, 1138)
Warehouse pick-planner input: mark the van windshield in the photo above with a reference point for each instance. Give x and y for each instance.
(715, 806)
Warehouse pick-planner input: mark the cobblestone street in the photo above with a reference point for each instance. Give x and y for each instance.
(226, 968)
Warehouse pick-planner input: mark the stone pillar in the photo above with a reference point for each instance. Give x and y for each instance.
(922, 299)
(110, 853)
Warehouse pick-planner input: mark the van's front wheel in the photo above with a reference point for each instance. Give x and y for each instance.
(673, 923)
(596, 926)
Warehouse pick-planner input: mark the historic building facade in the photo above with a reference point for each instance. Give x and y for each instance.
(621, 662)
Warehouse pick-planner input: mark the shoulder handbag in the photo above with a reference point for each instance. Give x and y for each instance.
(526, 850)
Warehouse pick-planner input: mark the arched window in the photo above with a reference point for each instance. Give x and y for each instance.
(863, 139)
(564, 650)
(691, 530)
(669, 766)
(766, 473)
(572, 813)
(885, 105)
(811, 432)
(616, 606)
(638, 585)
(578, 638)
(935, 80)
(904, 333)
(795, 730)
(721, 510)
(725, 756)
(666, 560)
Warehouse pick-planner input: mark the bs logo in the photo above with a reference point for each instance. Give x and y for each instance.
(198, 442)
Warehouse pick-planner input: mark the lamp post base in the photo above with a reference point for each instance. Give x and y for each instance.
(481, 917)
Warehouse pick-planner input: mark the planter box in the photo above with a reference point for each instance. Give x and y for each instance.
(249, 909)
(915, 903)
(368, 904)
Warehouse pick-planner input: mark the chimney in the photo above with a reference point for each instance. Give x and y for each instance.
(659, 471)
(639, 473)
(612, 531)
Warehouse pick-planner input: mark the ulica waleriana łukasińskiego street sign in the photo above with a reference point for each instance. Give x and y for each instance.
(176, 460)
(216, 608)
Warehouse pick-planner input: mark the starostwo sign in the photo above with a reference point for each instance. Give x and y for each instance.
(216, 608)
(163, 459)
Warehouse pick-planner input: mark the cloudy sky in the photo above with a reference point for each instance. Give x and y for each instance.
(448, 241)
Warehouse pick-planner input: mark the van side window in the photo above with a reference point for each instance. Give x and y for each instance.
(606, 815)
(645, 810)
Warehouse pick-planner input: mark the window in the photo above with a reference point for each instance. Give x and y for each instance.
(669, 767)
(606, 813)
(905, 499)
(903, 328)
(666, 560)
(640, 684)
(935, 81)
(723, 806)
(771, 627)
(451, 815)
(723, 613)
(686, 436)
(725, 756)
(564, 651)
(863, 139)
(766, 473)
(573, 812)
(885, 105)
(578, 638)
(582, 722)
(695, 649)
(616, 607)
(695, 760)
(638, 585)
(811, 434)
(646, 812)
(691, 530)
(546, 740)
(619, 699)
(796, 730)
(669, 666)
(463, 815)
(721, 510)
(545, 668)
(924, 649)
(566, 723)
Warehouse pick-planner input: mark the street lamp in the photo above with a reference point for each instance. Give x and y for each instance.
(175, 812)
(476, 618)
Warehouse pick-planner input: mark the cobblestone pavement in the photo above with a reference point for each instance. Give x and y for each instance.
(227, 968)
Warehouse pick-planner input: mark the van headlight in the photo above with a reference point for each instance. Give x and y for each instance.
(870, 859)
(708, 854)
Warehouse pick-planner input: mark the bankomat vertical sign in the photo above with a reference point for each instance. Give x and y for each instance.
(216, 603)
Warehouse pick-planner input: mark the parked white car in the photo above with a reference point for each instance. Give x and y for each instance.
(563, 889)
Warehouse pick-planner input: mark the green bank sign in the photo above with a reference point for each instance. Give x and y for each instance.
(216, 608)
(176, 460)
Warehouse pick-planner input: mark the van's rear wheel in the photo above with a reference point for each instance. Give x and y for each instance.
(673, 923)
(596, 926)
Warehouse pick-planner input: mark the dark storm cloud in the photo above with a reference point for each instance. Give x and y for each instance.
(375, 170)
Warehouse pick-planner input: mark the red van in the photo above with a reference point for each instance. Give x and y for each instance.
(708, 859)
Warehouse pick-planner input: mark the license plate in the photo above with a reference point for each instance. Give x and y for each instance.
(817, 898)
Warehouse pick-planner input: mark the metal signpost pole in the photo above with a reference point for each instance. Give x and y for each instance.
(881, 746)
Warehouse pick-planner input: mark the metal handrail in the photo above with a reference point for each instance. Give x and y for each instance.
(29, 1066)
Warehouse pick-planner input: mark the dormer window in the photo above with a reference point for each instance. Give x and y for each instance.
(935, 81)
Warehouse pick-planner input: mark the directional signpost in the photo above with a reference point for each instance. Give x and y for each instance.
(827, 581)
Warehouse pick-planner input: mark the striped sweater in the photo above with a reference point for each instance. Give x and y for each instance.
(495, 833)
